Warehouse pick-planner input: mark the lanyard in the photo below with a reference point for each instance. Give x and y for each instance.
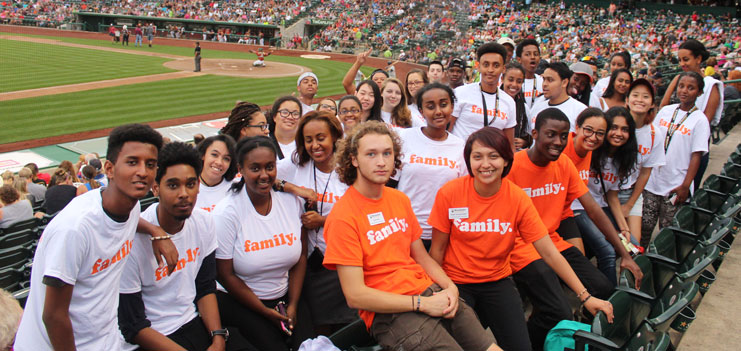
(673, 127)
(496, 106)
(324, 193)
(534, 91)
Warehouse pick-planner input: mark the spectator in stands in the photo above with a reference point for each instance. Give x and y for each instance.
(415, 80)
(436, 71)
(394, 110)
(157, 310)
(35, 174)
(198, 138)
(68, 167)
(21, 186)
(370, 99)
(512, 79)
(78, 265)
(669, 186)
(732, 91)
(89, 182)
(307, 85)
(99, 176)
(283, 120)
(14, 208)
(9, 319)
(380, 274)
(61, 191)
(349, 110)
(456, 73)
(38, 191)
(8, 178)
(617, 89)
(256, 281)
(245, 120)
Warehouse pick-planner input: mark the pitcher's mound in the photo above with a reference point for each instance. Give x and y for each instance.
(239, 68)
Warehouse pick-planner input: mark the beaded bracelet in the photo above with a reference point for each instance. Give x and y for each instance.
(419, 300)
(164, 237)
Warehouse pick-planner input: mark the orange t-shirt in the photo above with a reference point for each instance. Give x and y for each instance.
(550, 188)
(582, 164)
(483, 229)
(376, 235)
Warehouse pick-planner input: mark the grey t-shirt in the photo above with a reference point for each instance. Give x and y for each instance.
(18, 211)
(38, 191)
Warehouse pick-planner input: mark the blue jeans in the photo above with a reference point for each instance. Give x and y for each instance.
(597, 243)
(138, 40)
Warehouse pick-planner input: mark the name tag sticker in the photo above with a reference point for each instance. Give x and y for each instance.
(376, 218)
(458, 213)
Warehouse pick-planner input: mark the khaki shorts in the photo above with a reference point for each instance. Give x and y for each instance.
(417, 331)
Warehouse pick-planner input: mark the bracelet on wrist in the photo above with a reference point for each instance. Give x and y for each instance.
(419, 302)
(164, 237)
(581, 293)
(587, 299)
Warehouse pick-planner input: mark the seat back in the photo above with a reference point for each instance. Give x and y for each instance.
(692, 219)
(647, 339)
(22, 238)
(699, 258)
(648, 284)
(673, 243)
(629, 312)
(14, 257)
(10, 278)
(677, 295)
(353, 334)
(731, 170)
(735, 157)
(721, 184)
(719, 228)
(31, 223)
(708, 200)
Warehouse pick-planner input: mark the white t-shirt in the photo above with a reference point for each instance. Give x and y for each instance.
(704, 98)
(609, 180)
(469, 110)
(263, 248)
(427, 166)
(168, 300)
(417, 119)
(329, 188)
(83, 247)
(287, 149)
(691, 136)
(530, 87)
(571, 108)
(650, 152)
(305, 109)
(601, 86)
(386, 117)
(209, 196)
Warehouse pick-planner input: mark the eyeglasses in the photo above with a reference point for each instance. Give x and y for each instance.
(588, 132)
(261, 126)
(418, 83)
(286, 113)
(328, 107)
(349, 112)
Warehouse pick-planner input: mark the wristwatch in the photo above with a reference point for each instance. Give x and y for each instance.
(222, 332)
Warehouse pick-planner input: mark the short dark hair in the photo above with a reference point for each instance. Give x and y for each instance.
(244, 146)
(696, 47)
(561, 68)
(550, 113)
(428, 87)
(493, 138)
(492, 48)
(131, 132)
(588, 112)
(697, 76)
(436, 62)
(33, 167)
(378, 70)
(521, 46)
(177, 153)
(230, 148)
(645, 83)
(348, 97)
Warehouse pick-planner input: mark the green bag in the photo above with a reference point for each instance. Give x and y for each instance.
(561, 337)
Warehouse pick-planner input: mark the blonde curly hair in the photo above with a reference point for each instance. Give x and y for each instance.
(347, 148)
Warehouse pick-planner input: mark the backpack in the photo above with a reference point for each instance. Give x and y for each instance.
(561, 337)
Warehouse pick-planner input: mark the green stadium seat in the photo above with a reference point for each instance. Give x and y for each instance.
(21, 238)
(700, 258)
(31, 223)
(147, 201)
(677, 295)
(656, 276)
(10, 279)
(735, 157)
(731, 170)
(722, 184)
(630, 311)
(644, 339)
(354, 336)
(14, 257)
(672, 244)
(703, 224)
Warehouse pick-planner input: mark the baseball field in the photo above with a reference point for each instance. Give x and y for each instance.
(55, 86)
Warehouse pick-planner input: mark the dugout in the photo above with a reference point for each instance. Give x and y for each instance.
(191, 29)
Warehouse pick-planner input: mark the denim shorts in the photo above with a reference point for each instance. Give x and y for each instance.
(637, 210)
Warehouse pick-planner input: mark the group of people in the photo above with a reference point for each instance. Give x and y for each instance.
(427, 207)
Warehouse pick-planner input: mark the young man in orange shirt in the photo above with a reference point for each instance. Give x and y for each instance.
(373, 240)
(552, 182)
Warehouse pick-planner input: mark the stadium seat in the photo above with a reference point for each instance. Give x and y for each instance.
(644, 339)
(700, 258)
(731, 170)
(10, 279)
(15, 257)
(355, 337)
(148, 201)
(629, 311)
(672, 244)
(677, 295)
(22, 296)
(31, 223)
(656, 276)
(20, 238)
(722, 205)
(702, 224)
(735, 157)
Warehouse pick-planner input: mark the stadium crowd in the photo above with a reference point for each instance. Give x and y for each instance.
(427, 206)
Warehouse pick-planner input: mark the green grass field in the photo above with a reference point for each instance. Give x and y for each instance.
(62, 114)
(26, 65)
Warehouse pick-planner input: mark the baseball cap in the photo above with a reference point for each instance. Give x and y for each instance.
(305, 75)
(96, 164)
(582, 68)
(456, 62)
(506, 40)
